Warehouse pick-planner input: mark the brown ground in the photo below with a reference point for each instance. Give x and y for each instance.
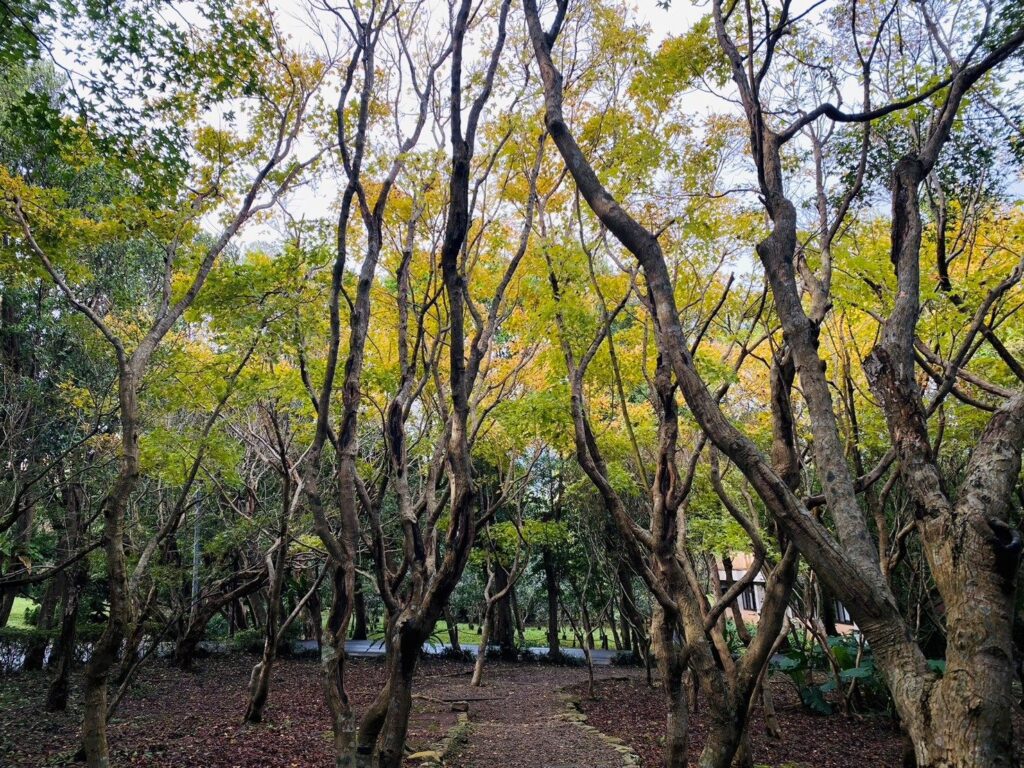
(516, 720)
(633, 711)
(179, 719)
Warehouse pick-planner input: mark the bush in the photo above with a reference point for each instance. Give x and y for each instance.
(800, 663)
(32, 615)
(560, 659)
(451, 654)
(627, 659)
(217, 628)
(248, 641)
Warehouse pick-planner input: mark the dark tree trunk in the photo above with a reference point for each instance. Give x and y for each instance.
(359, 627)
(453, 631)
(551, 582)
(63, 656)
(74, 581)
(503, 633)
(35, 655)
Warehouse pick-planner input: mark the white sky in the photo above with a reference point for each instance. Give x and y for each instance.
(321, 202)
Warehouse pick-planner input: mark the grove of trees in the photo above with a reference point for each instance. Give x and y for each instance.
(332, 319)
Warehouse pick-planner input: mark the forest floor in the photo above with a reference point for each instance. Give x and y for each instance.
(518, 719)
(634, 712)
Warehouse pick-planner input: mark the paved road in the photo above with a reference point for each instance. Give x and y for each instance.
(372, 648)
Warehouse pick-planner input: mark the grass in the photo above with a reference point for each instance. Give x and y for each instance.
(535, 638)
(17, 618)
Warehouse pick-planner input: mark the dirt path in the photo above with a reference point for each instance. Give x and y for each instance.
(519, 721)
(172, 719)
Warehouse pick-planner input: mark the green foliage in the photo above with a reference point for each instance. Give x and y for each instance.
(811, 672)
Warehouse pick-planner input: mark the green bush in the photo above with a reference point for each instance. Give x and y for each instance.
(627, 659)
(32, 615)
(801, 662)
(248, 641)
(217, 628)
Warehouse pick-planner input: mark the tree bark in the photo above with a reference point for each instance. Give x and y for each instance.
(359, 628)
(551, 584)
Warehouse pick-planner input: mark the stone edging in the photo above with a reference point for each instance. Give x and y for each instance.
(449, 745)
(573, 713)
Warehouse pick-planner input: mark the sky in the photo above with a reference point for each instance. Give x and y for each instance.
(663, 22)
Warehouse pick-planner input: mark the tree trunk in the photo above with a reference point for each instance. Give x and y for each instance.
(672, 674)
(453, 631)
(343, 723)
(35, 654)
(551, 582)
(737, 614)
(517, 614)
(359, 627)
(481, 652)
(314, 613)
(404, 650)
(504, 627)
(63, 655)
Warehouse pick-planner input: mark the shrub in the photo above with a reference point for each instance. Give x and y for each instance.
(627, 659)
(561, 659)
(217, 628)
(452, 654)
(248, 641)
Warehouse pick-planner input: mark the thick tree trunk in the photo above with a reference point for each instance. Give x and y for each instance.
(404, 651)
(63, 655)
(371, 724)
(343, 722)
(6, 604)
(187, 645)
(503, 622)
(106, 649)
(672, 675)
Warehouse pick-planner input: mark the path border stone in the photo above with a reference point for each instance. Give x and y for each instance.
(448, 747)
(573, 713)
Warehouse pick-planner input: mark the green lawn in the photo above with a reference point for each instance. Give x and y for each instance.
(17, 618)
(535, 638)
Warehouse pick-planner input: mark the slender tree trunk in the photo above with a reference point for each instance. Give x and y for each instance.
(314, 612)
(35, 654)
(517, 614)
(481, 652)
(453, 630)
(359, 627)
(551, 583)
(737, 614)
